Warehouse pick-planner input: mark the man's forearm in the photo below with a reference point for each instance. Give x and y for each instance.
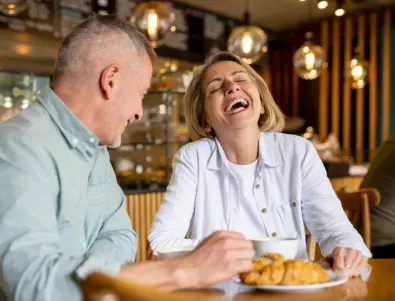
(164, 274)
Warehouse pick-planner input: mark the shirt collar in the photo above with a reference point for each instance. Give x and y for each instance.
(75, 132)
(269, 153)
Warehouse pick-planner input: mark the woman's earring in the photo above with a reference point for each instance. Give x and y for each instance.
(208, 128)
(262, 110)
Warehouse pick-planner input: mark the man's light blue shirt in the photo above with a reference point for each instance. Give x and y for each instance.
(62, 213)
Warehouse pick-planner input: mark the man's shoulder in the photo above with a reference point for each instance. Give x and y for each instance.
(26, 135)
(31, 125)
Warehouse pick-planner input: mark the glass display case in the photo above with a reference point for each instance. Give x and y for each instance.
(17, 92)
(143, 161)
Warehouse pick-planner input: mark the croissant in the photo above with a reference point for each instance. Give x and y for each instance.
(273, 269)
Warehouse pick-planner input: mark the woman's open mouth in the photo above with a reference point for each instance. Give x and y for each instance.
(236, 106)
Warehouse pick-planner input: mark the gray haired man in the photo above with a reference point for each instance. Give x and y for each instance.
(62, 213)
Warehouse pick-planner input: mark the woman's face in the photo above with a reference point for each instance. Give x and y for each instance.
(231, 99)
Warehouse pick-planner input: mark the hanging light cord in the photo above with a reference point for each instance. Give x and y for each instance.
(309, 5)
(246, 14)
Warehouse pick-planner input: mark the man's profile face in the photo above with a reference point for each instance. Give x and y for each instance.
(132, 87)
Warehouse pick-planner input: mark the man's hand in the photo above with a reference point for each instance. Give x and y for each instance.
(348, 261)
(217, 258)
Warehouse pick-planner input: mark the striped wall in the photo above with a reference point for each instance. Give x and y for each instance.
(362, 119)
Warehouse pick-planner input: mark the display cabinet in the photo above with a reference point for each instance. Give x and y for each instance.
(144, 159)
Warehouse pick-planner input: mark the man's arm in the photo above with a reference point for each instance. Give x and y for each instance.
(216, 259)
(116, 243)
(32, 265)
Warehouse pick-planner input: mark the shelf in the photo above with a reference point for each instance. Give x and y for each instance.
(132, 145)
(169, 91)
(130, 191)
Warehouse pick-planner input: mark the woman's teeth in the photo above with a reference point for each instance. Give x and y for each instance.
(233, 108)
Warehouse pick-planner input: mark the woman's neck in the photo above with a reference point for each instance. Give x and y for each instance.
(241, 146)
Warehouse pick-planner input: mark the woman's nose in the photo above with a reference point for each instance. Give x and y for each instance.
(232, 87)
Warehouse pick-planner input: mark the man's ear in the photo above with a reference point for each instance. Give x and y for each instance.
(109, 81)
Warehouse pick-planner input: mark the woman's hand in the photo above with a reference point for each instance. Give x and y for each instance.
(348, 261)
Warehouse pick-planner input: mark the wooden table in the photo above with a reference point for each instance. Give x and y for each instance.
(380, 286)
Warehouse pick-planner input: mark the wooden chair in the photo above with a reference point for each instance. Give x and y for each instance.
(311, 245)
(357, 207)
(346, 184)
(100, 287)
(150, 254)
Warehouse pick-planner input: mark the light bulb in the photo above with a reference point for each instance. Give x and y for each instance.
(357, 72)
(7, 104)
(340, 12)
(155, 19)
(13, 7)
(247, 43)
(152, 26)
(322, 4)
(310, 61)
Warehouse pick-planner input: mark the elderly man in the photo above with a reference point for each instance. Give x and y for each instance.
(62, 214)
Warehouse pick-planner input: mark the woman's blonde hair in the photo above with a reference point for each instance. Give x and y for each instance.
(271, 120)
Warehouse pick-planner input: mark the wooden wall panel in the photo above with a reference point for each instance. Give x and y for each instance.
(336, 77)
(142, 209)
(360, 105)
(324, 85)
(373, 85)
(347, 87)
(386, 75)
(295, 94)
(287, 65)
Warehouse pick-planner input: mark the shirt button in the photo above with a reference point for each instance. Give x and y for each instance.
(75, 140)
(257, 186)
(264, 210)
(92, 140)
(293, 204)
(274, 234)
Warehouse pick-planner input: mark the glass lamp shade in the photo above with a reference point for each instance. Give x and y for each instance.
(309, 60)
(154, 19)
(357, 72)
(248, 42)
(13, 7)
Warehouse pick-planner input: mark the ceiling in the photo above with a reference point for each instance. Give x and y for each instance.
(279, 14)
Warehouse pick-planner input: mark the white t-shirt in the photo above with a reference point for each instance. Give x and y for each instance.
(248, 219)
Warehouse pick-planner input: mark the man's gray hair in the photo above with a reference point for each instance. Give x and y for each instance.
(97, 42)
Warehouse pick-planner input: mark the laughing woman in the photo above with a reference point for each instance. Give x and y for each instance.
(240, 175)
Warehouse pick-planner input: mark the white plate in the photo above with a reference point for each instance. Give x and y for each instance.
(335, 279)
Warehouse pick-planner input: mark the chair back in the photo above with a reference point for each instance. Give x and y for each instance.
(311, 245)
(357, 206)
(346, 184)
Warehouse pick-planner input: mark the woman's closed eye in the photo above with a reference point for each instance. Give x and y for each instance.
(240, 78)
(214, 89)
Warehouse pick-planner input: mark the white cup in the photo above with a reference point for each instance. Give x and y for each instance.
(288, 247)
